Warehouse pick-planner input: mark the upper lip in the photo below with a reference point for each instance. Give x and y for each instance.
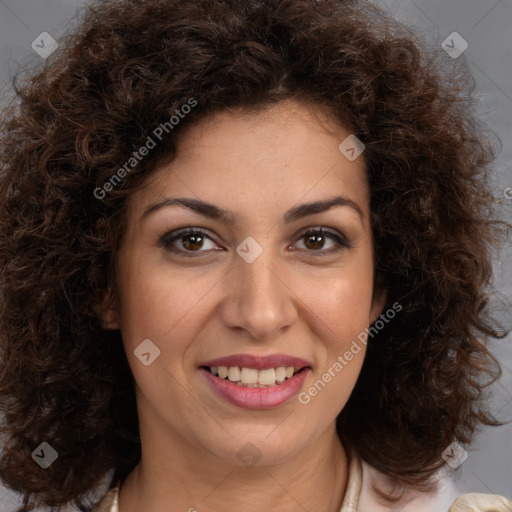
(258, 362)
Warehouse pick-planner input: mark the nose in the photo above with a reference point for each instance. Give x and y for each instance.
(259, 299)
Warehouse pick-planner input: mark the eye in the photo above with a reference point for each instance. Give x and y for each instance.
(192, 240)
(315, 240)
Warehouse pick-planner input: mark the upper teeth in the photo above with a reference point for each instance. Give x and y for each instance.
(252, 376)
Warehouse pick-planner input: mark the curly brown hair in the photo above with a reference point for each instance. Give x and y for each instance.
(129, 66)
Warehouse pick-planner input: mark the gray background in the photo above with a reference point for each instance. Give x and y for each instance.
(485, 25)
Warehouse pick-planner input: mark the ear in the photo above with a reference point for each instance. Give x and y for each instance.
(107, 312)
(378, 303)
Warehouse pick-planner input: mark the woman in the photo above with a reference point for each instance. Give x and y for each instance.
(245, 259)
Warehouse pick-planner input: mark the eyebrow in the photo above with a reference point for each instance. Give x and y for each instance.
(225, 216)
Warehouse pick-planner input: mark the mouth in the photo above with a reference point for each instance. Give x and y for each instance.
(253, 377)
(256, 381)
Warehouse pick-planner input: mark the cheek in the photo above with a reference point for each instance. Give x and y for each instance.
(156, 300)
(165, 309)
(343, 315)
(341, 305)
(344, 305)
(346, 316)
(341, 301)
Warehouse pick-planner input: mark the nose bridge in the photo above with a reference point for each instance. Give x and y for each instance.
(258, 299)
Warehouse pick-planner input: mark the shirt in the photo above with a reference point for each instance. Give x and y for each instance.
(358, 499)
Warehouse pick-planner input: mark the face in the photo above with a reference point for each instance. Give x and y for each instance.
(260, 285)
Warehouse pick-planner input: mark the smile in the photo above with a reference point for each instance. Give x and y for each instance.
(256, 381)
(254, 378)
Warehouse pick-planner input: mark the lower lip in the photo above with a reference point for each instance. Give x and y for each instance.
(257, 398)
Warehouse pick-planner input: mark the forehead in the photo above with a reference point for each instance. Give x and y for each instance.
(250, 160)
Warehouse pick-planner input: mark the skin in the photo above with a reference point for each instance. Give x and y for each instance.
(289, 300)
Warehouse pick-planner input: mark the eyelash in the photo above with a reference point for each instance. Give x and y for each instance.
(167, 241)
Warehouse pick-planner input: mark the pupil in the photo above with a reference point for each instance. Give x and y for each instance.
(319, 240)
(194, 245)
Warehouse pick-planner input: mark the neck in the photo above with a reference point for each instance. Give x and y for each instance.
(187, 478)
